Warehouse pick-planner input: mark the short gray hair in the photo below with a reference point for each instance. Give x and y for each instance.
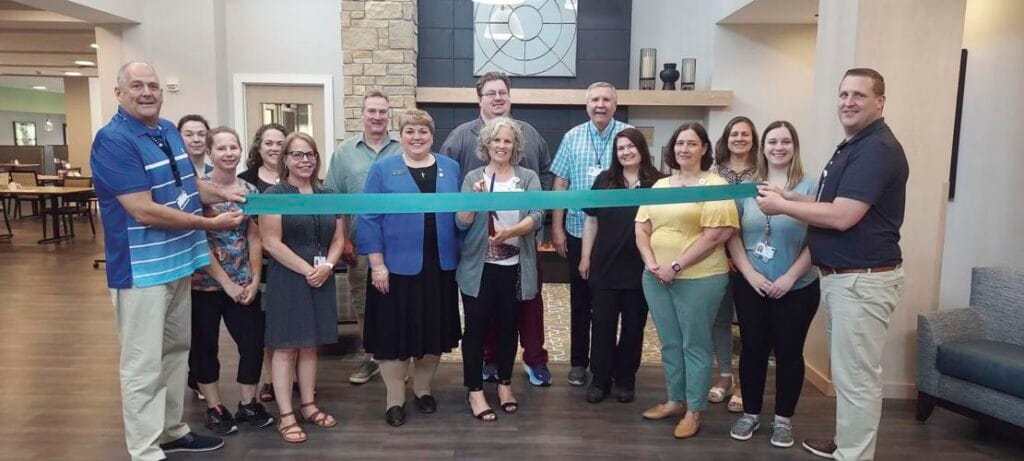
(490, 131)
(122, 72)
(615, 94)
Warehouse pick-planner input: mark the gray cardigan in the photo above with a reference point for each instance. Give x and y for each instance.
(474, 244)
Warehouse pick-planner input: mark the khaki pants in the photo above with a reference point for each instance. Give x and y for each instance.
(357, 286)
(858, 307)
(154, 328)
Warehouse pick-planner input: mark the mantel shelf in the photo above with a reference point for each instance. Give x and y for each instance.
(557, 97)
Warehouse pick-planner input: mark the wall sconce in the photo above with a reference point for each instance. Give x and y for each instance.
(48, 126)
(648, 67)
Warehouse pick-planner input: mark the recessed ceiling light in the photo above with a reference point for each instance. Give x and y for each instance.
(38, 87)
(93, 45)
(73, 74)
(85, 63)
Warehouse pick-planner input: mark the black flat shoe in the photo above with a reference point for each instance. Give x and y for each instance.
(426, 403)
(595, 394)
(626, 395)
(395, 415)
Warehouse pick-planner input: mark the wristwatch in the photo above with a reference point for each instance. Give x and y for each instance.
(676, 267)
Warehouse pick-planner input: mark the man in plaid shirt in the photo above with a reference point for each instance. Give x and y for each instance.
(586, 150)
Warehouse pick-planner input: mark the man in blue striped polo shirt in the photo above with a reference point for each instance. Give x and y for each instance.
(586, 150)
(154, 240)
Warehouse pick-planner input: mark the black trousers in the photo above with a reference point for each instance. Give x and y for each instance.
(778, 325)
(496, 304)
(580, 307)
(621, 360)
(245, 324)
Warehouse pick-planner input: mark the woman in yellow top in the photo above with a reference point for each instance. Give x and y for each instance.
(686, 275)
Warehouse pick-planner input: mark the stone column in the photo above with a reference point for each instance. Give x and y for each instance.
(379, 46)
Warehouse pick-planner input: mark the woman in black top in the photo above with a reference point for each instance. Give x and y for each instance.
(261, 166)
(261, 171)
(612, 264)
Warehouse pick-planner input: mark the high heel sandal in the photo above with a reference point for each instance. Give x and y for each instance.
(483, 415)
(317, 417)
(291, 433)
(510, 406)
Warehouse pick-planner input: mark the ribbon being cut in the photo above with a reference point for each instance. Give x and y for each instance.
(474, 201)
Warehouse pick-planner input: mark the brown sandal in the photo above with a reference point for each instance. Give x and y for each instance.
(317, 417)
(291, 433)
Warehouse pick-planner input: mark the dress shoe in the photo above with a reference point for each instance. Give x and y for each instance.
(426, 403)
(595, 394)
(395, 415)
(662, 411)
(821, 448)
(687, 427)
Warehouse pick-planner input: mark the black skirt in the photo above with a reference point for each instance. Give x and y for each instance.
(420, 313)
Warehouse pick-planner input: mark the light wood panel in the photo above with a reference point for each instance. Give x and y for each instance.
(531, 96)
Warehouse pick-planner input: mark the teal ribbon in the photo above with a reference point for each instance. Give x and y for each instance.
(482, 201)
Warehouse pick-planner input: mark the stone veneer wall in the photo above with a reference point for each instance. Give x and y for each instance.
(379, 48)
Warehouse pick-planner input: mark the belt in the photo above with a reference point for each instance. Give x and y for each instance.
(866, 270)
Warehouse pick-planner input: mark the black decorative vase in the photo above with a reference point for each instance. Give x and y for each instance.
(669, 75)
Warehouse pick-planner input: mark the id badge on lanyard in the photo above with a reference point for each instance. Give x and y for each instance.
(764, 249)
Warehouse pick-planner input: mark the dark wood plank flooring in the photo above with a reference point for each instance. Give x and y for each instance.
(59, 396)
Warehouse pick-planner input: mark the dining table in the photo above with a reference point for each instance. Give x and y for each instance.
(53, 194)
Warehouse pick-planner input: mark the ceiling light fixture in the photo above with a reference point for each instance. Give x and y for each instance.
(85, 63)
(93, 46)
(38, 87)
(72, 73)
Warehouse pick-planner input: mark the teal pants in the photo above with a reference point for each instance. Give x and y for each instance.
(683, 313)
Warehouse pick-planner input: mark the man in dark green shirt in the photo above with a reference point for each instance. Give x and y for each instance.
(346, 175)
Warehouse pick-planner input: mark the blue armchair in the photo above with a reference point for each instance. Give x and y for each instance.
(971, 360)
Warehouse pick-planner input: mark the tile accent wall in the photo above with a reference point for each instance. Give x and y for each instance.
(445, 59)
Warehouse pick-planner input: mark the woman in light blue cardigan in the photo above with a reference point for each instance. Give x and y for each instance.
(412, 311)
(498, 267)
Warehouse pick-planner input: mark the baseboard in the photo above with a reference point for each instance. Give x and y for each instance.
(819, 380)
(902, 391)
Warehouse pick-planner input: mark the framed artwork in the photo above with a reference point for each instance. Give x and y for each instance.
(534, 38)
(24, 133)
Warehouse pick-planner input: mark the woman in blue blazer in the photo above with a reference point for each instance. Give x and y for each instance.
(413, 310)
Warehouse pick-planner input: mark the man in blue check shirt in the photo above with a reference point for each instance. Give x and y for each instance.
(586, 150)
(153, 227)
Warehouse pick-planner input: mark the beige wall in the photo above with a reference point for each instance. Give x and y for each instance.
(77, 109)
(985, 221)
(915, 44)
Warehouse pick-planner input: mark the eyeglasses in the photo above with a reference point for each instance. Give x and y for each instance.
(625, 147)
(298, 155)
(492, 94)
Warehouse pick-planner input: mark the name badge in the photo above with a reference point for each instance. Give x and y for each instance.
(593, 171)
(764, 251)
(182, 200)
(319, 261)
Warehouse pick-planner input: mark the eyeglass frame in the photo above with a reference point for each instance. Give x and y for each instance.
(311, 155)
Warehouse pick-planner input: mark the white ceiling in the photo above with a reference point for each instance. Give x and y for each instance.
(43, 43)
(54, 84)
(774, 12)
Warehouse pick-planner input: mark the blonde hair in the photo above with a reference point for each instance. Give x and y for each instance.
(796, 167)
(282, 168)
(416, 117)
(490, 131)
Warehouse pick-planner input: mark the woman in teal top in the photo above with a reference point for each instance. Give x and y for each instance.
(777, 292)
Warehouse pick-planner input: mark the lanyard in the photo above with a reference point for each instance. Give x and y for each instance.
(166, 148)
(767, 230)
(601, 145)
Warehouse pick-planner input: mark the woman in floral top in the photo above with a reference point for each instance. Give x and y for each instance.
(735, 154)
(228, 289)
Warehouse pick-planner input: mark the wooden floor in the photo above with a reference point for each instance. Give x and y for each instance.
(59, 396)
